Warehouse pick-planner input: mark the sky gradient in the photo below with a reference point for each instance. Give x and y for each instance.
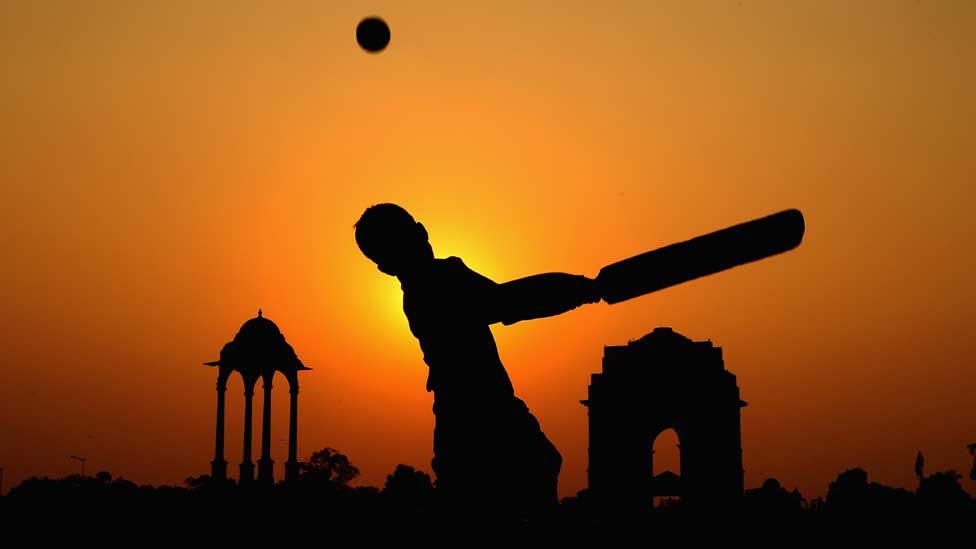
(168, 168)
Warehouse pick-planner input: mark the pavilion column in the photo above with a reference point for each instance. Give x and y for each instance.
(291, 466)
(218, 467)
(265, 464)
(247, 466)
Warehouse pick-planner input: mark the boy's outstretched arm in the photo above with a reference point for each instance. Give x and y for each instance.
(541, 295)
(536, 296)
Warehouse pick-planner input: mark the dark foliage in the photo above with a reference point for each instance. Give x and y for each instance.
(408, 500)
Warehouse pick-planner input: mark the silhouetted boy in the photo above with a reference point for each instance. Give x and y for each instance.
(488, 449)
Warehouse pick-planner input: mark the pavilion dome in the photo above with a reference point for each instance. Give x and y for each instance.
(258, 329)
(259, 347)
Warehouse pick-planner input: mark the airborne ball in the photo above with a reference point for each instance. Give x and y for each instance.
(373, 34)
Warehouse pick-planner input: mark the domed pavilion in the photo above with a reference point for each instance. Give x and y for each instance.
(257, 351)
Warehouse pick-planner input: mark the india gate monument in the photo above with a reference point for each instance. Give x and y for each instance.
(660, 381)
(257, 351)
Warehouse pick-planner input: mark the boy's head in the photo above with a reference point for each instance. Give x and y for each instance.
(389, 235)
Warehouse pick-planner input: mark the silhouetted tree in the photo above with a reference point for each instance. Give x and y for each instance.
(851, 493)
(328, 466)
(35, 487)
(408, 487)
(848, 491)
(941, 492)
(816, 505)
(99, 487)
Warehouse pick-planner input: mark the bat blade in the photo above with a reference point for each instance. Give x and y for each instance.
(701, 256)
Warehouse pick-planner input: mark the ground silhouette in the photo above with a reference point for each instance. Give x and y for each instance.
(409, 503)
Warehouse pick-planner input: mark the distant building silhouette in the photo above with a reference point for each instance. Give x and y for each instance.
(660, 381)
(258, 351)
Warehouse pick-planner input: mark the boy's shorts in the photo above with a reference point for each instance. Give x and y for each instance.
(495, 454)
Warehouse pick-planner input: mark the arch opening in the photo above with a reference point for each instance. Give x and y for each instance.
(233, 422)
(665, 469)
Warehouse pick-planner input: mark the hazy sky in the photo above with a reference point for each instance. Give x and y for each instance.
(170, 167)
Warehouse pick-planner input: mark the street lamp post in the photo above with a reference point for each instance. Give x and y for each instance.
(82, 460)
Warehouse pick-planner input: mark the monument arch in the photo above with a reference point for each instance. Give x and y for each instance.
(658, 382)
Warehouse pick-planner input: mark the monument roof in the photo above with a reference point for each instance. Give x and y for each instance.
(259, 347)
(258, 327)
(663, 334)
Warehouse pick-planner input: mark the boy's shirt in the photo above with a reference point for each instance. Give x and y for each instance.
(449, 308)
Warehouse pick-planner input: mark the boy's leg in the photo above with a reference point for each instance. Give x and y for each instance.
(540, 463)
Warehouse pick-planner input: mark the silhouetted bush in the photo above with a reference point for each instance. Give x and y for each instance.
(408, 488)
(773, 499)
(941, 493)
(408, 499)
(852, 494)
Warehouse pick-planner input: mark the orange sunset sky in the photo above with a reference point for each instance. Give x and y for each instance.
(170, 167)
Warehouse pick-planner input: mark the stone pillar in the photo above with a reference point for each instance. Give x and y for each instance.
(291, 466)
(247, 466)
(265, 464)
(218, 467)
